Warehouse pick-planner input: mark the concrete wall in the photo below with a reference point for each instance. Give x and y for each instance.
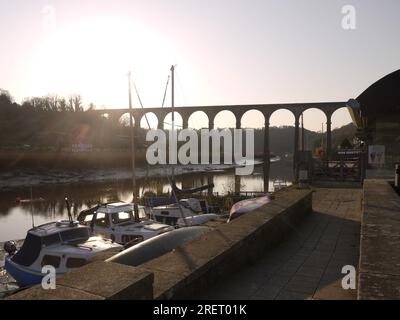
(229, 247)
(379, 269)
(192, 267)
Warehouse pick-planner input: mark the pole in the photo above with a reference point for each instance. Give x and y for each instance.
(165, 93)
(71, 221)
(173, 111)
(267, 154)
(302, 132)
(135, 208)
(33, 220)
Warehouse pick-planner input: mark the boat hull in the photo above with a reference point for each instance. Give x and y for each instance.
(23, 276)
(157, 246)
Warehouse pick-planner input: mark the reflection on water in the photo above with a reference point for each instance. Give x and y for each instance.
(16, 219)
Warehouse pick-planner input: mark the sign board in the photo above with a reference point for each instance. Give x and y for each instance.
(376, 156)
(82, 147)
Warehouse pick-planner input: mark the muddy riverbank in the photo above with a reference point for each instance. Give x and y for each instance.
(22, 178)
(7, 283)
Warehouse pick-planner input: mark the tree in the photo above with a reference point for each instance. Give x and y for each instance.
(52, 102)
(6, 101)
(75, 103)
(62, 105)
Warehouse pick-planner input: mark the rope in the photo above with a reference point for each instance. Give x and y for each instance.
(141, 104)
(165, 93)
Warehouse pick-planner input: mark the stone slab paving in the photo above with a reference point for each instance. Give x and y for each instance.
(308, 264)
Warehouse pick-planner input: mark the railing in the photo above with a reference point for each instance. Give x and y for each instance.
(347, 166)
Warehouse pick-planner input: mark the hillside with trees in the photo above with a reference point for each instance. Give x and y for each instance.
(53, 124)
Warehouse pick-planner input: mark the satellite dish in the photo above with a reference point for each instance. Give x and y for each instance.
(353, 103)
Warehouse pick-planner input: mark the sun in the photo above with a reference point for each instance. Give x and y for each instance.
(92, 58)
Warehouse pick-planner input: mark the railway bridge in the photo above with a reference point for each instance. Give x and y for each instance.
(328, 108)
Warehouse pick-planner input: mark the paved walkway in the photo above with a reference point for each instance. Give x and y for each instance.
(308, 264)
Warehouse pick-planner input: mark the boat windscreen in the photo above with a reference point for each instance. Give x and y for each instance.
(121, 217)
(29, 251)
(79, 234)
(51, 239)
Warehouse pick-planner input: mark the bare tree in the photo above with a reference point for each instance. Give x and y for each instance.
(62, 105)
(75, 102)
(53, 102)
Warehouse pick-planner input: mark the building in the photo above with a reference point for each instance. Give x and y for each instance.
(378, 120)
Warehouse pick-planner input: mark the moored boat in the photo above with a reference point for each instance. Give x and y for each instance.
(157, 246)
(64, 245)
(118, 222)
(186, 208)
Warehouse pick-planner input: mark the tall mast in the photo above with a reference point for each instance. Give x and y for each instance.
(173, 110)
(33, 219)
(132, 147)
(302, 132)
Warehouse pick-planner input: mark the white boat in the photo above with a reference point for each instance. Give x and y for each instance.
(117, 222)
(170, 214)
(246, 206)
(157, 246)
(196, 220)
(65, 245)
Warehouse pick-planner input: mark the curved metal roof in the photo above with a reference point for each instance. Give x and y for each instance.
(381, 98)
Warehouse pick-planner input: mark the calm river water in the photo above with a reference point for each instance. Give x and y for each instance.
(49, 205)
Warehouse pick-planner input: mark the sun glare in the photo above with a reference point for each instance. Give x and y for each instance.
(93, 57)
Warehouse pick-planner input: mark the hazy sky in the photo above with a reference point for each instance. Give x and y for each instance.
(226, 51)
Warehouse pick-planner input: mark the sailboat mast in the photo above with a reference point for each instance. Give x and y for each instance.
(302, 132)
(173, 110)
(33, 219)
(132, 143)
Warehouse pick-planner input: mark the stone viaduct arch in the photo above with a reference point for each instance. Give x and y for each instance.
(239, 110)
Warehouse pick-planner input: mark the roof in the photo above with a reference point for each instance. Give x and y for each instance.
(52, 228)
(115, 207)
(382, 98)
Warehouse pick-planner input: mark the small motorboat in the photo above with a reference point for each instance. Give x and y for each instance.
(246, 206)
(118, 222)
(64, 244)
(196, 220)
(186, 208)
(157, 246)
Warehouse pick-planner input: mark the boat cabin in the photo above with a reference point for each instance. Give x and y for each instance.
(52, 235)
(65, 245)
(117, 222)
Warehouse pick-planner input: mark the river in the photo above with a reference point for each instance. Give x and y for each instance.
(49, 204)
